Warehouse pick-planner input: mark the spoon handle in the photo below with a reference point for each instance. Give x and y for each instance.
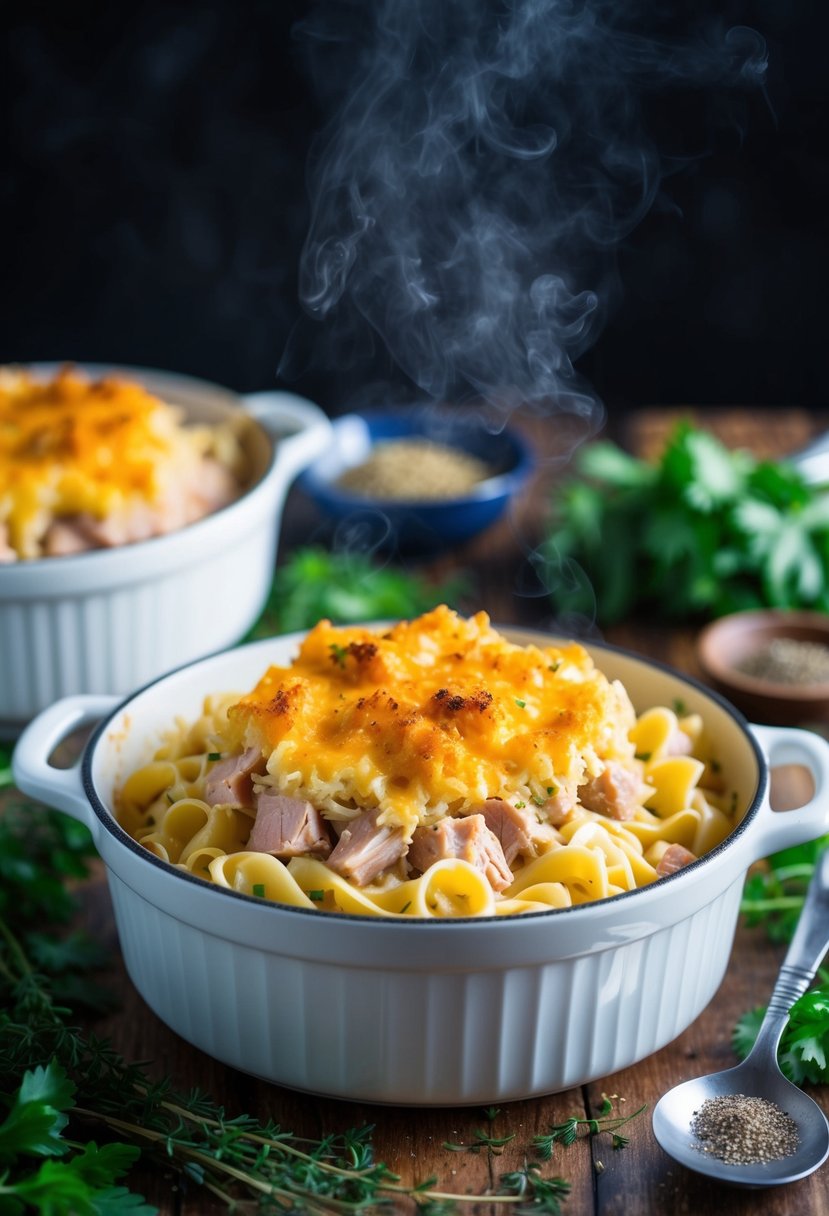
(804, 956)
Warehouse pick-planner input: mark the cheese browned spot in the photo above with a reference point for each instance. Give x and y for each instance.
(430, 717)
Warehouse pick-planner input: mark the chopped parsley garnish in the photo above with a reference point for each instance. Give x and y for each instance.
(551, 789)
(538, 801)
(519, 806)
(259, 890)
(338, 653)
(521, 704)
(554, 666)
(680, 708)
(406, 906)
(317, 896)
(643, 756)
(214, 755)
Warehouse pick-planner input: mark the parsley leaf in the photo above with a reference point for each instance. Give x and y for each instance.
(36, 1119)
(339, 654)
(60, 1187)
(805, 1054)
(773, 895)
(804, 1046)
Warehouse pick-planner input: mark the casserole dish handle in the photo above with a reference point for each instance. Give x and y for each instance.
(301, 428)
(781, 829)
(61, 788)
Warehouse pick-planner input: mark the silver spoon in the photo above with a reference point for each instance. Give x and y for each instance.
(759, 1074)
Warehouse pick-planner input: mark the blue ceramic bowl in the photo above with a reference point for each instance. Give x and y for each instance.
(429, 525)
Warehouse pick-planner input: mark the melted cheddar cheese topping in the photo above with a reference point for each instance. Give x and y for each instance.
(430, 717)
(71, 447)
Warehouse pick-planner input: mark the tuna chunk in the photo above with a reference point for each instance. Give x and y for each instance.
(516, 829)
(66, 536)
(79, 533)
(470, 840)
(288, 827)
(216, 486)
(616, 792)
(673, 859)
(230, 781)
(7, 553)
(365, 850)
(138, 522)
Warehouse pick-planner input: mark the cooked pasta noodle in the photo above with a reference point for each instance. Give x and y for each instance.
(434, 769)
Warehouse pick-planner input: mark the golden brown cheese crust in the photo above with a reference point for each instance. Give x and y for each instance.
(72, 448)
(433, 715)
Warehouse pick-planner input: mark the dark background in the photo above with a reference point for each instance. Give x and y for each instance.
(154, 205)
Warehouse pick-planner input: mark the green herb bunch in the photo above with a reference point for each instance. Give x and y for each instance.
(773, 900)
(315, 584)
(700, 532)
(774, 892)
(42, 1168)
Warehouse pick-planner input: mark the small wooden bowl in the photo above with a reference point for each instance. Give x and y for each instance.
(725, 644)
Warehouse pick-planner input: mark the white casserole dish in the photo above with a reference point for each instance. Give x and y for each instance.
(109, 620)
(419, 1012)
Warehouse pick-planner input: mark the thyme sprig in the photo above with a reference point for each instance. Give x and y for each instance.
(480, 1141)
(575, 1127)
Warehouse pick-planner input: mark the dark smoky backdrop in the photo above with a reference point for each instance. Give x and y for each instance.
(575, 202)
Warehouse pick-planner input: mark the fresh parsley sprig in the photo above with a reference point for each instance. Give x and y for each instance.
(44, 1171)
(774, 892)
(803, 1053)
(700, 532)
(773, 899)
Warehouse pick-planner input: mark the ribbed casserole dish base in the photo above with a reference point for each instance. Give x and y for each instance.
(346, 1031)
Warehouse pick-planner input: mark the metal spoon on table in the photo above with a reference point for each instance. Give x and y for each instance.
(759, 1074)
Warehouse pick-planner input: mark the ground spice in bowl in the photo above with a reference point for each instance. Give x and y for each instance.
(741, 1130)
(414, 469)
(788, 661)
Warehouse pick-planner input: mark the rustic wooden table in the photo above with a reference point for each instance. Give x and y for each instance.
(638, 1180)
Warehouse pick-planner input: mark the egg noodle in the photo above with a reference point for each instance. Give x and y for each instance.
(88, 464)
(431, 769)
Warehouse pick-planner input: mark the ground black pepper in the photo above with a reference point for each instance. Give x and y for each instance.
(741, 1130)
(788, 661)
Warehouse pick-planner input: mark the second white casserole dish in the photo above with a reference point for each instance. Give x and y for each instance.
(420, 1012)
(109, 620)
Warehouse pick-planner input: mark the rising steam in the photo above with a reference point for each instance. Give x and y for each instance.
(482, 163)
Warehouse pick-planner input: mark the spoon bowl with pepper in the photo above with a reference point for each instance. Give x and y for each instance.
(749, 1126)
